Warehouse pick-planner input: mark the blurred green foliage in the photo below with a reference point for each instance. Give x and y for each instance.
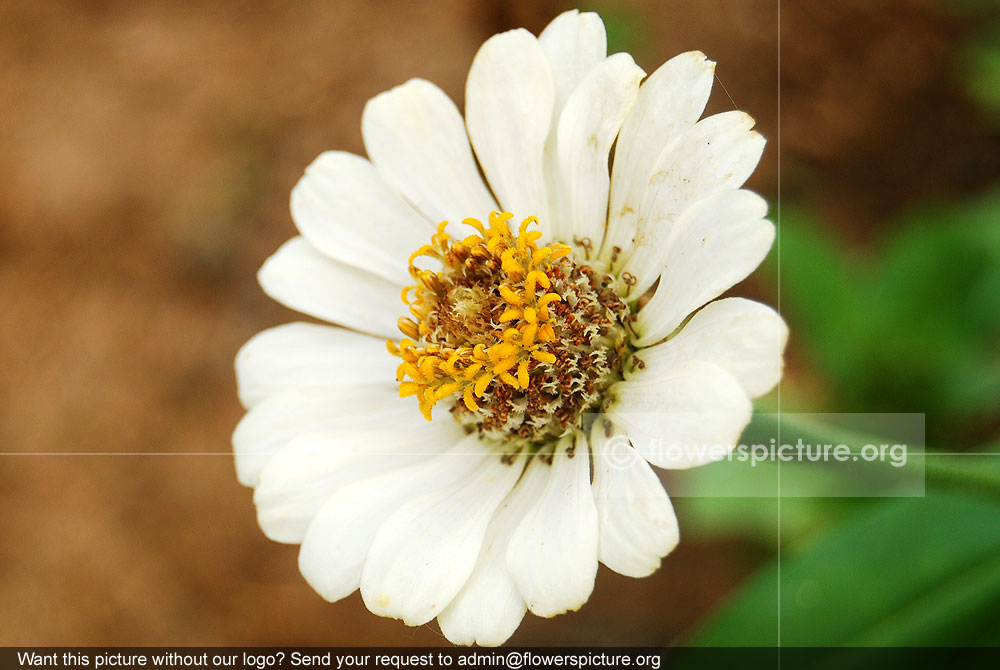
(979, 66)
(912, 326)
(899, 572)
(626, 29)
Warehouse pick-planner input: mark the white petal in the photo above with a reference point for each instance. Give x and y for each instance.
(277, 420)
(300, 277)
(304, 474)
(718, 242)
(669, 102)
(346, 211)
(574, 43)
(637, 522)
(489, 607)
(309, 355)
(718, 153)
(336, 543)
(425, 551)
(689, 415)
(743, 337)
(415, 136)
(509, 100)
(587, 129)
(553, 552)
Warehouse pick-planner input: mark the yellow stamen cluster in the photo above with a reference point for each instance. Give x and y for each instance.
(516, 337)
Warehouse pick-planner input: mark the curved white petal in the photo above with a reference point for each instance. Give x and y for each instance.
(587, 129)
(300, 277)
(509, 98)
(308, 355)
(669, 101)
(574, 43)
(425, 551)
(636, 520)
(304, 474)
(552, 554)
(337, 541)
(718, 153)
(715, 244)
(489, 607)
(345, 210)
(277, 420)
(415, 136)
(681, 417)
(741, 336)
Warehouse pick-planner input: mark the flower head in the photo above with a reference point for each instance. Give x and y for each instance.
(551, 341)
(527, 337)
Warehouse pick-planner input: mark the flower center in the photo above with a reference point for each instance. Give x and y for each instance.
(524, 339)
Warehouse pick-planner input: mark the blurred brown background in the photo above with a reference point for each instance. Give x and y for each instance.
(148, 150)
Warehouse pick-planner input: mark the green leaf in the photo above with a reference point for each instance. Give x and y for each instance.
(977, 472)
(757, 519)
(900, 572)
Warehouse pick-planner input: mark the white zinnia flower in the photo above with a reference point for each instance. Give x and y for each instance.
(517, 336)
